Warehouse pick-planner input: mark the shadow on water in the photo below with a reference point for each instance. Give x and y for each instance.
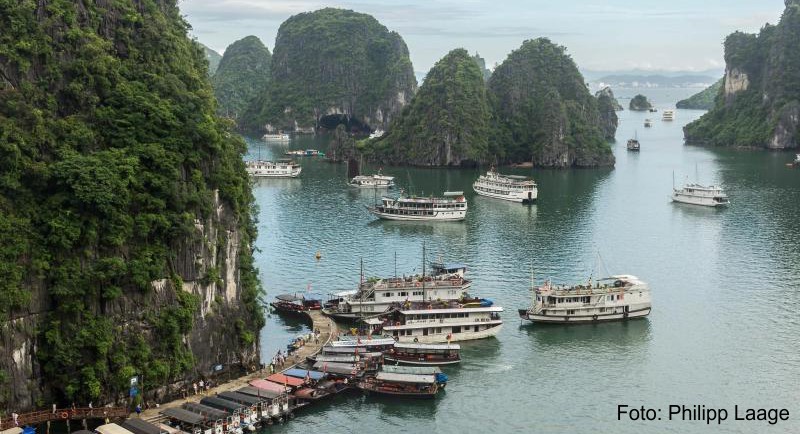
(599, 335)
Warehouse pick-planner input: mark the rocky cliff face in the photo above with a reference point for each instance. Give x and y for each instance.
(243, 74)
(640, 103)
(447, 121)
(334, 65)
(124, 208)
(607, 105)
(543, 112)
(212, 57)
(760, 103)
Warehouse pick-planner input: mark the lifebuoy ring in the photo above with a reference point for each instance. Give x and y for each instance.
(64, 415)
(416, 340)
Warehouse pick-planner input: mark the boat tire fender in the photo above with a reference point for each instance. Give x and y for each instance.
(416, 340)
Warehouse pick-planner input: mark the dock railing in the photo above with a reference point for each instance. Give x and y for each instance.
(37, 417)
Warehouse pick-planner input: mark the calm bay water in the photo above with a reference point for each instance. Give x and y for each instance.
(725, 327)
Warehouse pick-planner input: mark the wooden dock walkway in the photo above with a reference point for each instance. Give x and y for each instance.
(328, 331)
(63, 414)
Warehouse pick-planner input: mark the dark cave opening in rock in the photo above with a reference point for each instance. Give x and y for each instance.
(353, 125)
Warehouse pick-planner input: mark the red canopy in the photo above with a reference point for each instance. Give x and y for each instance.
(268, 385)
(283, 379)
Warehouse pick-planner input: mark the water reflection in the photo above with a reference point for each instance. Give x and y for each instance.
(629, 334)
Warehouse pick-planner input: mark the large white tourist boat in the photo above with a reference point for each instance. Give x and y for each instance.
(696, 194)
(668, 115)
(616, 298)
(377, 180)
(507, 187)
(374, 297)
(439, 322)
(451, 207)
(279, 137)
(269, 169)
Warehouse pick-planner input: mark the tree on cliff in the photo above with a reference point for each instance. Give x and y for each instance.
(242, 75)
(114, 171)
(446, 121)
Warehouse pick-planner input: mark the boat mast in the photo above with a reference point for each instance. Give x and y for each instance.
(424, 298)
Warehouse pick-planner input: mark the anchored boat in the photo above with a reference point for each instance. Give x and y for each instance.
(443, 322)
(280, 137)
(451, 207)
(372, 181)
(633, 144)
(513, 188)
(616, 298)
(696, 194)
(401, 385)
(268, 169)
(424, 354)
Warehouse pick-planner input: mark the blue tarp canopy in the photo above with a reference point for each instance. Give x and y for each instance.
(301, 373)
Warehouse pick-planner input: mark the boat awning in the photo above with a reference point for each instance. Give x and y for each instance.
(213, 401)
(302, 373)
(168, 429)
(259, 393)
(405, 378)
(240, 398)
(182, 415)
(111, 428)
(362, 341)
(450, 266)
(268, 385)
(347, 293)
(467, 309)
(343, 358)
(285, 380)
(204, 410)
(453, 193)
(402, 345)
(350, 350)
(418, 370)
(373, 321)
(288, 297)
(138, 426)
(335, 368)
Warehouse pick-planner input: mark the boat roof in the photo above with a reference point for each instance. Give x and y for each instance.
(13, 430)
(213, 401)
(165, 428)
(418, 370)
(182, 415)
(405, 378)
(111, 428)
(345, 293)
(138, 426)
(267, 385)
(403, 345)
(469, 309)
(210, 412)
(348, 358)
(259, 393)
(288, 297)
(302, 373)
(241, 398)
(449, 265)
(372, 321)
(335, 368)
(286, 380)
(519, 177)
(350, 350)
(453, 193)
(361, 341)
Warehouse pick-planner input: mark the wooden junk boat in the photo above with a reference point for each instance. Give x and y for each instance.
(423, 354)
(291, 303)
(400, 385)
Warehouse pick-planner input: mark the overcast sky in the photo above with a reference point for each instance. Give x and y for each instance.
(599, 34)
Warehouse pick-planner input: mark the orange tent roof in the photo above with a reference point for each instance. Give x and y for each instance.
(268, 385)
(283, 379)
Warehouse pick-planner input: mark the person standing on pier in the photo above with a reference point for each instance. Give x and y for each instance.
(202, 387)
(194, 386)
(15, 416)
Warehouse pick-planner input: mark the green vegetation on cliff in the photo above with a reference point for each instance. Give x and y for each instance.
(607, 105)
(334, 62)
(110, 157)
(242, 75)
(640, 103)
(759, 105)
(482, 65)
(543, 112)
(446, 121)
(703, 100)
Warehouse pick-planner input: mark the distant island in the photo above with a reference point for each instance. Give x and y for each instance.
(640, 103)
(703, 100)
(759, 105)
(623, 81)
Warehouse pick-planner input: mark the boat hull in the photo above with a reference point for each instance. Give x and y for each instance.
(390, 359)
(583, 319)
(523, 199)
(455, 337)
(439, 216)
(292, 174)
(700, 201)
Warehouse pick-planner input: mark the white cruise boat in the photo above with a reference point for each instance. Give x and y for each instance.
(668, 115)
(377, 296)
(280, 137)
(507, 187)
(696, 194)
(377, 180)
(615, 298)
(451, 207)
(439, 322)
(269, 169)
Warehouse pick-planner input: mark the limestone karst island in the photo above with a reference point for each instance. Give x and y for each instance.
(230, 216)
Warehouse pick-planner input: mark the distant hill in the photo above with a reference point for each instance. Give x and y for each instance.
(703, 100)
(625, 80)
(593, 75)
(213, 59)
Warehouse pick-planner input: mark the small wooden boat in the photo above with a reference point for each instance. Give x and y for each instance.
(424, 354)
(648, 123)
(292, 303)
(441, 377)
(400, 385)
(311, 393)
